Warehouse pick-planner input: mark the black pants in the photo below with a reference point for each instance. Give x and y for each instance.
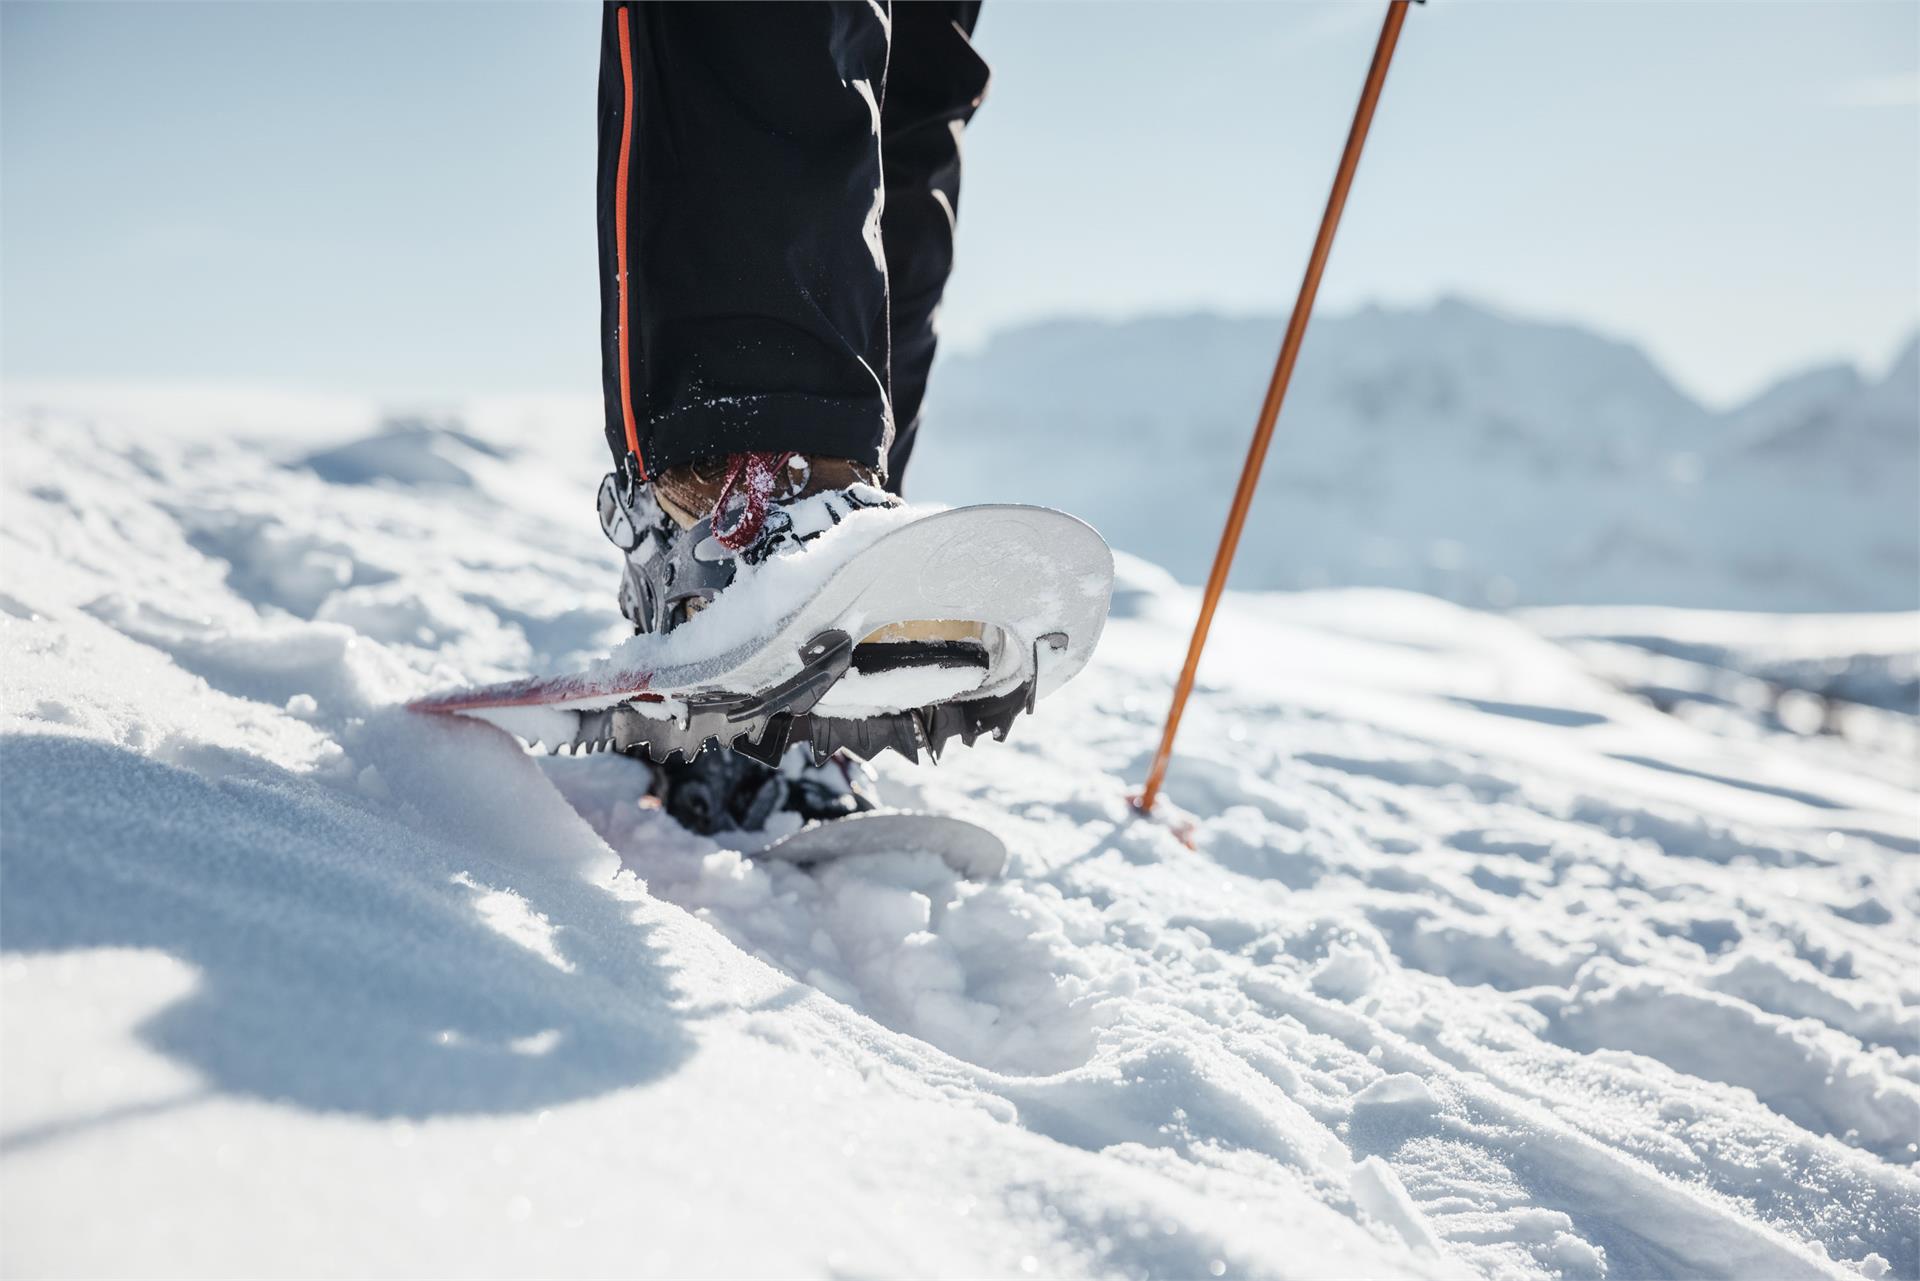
(778, 185)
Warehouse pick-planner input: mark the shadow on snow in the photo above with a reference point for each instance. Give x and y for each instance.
(346, 961)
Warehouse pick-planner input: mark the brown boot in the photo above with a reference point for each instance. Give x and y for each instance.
(688, 494)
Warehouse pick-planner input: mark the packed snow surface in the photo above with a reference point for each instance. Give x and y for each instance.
(1502, 947)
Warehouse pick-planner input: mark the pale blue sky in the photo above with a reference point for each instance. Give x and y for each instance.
(397, 198)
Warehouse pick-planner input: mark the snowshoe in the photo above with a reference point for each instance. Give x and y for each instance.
(824, 615)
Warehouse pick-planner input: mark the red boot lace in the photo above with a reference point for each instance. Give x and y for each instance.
(753, 477)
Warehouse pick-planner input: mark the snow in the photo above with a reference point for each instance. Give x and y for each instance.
(1480, 963)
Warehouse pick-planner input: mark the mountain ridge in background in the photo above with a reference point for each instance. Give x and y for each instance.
(1491, 459)
(1483, 457)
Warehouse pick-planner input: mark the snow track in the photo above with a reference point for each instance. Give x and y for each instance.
(1478, 964)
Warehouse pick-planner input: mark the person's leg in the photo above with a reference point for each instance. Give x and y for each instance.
(744, 291)
(935, 81)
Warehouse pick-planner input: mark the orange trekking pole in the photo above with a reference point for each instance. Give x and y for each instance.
(1276, 392)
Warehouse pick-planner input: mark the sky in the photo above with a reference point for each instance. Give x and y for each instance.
(396, 199)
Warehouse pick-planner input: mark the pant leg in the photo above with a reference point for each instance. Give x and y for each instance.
(935, 81)
(740, 186)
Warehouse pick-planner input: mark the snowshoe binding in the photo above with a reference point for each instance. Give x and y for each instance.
(718, 792)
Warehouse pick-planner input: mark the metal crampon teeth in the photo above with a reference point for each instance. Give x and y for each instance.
(764, 726)
(913, 731)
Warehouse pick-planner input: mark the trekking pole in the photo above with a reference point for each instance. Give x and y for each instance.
(1276, 392)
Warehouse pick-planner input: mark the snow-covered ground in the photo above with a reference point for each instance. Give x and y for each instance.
(1480, 963)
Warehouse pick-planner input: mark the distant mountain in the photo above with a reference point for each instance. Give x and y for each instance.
(1791, 401)
(1835, 412)
(1479, 456)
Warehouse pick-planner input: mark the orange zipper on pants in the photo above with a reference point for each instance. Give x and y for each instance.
(620, 238)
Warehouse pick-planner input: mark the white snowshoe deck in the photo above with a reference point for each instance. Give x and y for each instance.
(1040, 579)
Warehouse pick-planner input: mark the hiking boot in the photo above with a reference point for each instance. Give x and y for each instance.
(685, 535)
